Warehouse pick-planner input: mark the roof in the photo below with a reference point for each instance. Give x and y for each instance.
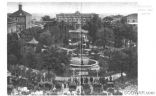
(116, 16)
(33, 41)
(77, 13)
(131, 15)
(20, 13)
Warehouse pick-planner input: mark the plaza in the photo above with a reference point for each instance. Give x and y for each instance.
(72, 54)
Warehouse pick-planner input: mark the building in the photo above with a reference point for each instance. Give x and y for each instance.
(73, 18)
(132, 19)
(116, 18)
(11, 25)
(22, 18)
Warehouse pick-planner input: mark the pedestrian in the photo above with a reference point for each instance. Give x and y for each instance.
(110, 78)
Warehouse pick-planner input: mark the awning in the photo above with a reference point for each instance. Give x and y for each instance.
(33, 41)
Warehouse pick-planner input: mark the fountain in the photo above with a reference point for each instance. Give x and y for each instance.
(87, 62)
(81, 61)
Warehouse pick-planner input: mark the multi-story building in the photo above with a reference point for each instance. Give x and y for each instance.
(132, 19)
(73, 18)
(22, 18)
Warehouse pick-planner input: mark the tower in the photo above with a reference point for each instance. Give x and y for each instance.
(20, 7)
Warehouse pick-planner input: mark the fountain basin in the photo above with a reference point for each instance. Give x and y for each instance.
(87, 63)
(77, 60)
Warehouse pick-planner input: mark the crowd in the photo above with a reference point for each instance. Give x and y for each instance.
(21, 86)
(24, 81)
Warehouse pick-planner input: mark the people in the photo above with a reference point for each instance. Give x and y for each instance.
(86, 80)
(110, 78)
(91, 79)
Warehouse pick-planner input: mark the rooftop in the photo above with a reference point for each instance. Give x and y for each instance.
(20, 12)
(76, 13)
(131, 15)
(33, 41)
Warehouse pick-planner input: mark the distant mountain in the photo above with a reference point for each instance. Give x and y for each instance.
(111, 15)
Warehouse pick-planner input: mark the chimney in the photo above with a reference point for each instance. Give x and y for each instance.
(20, 6)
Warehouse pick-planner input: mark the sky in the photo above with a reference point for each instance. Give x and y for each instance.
(53, 8)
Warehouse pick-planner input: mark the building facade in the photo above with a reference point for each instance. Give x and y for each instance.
(132, 19)
(22, 18)
(11, 25)
(73, 18)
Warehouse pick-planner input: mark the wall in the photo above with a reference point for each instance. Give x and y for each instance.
(11, 27)
(28, 21)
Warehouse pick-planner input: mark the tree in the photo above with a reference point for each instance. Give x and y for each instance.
(103, 66)
(132, 71)
(29, 60)
(105, 36)
(12, 44)
(29, 33)
(107, 21)
(45, 38)
(125, 61)
(12, 60)
(92, 26)
(58, 30)
(46, 18)
(55, 60)
(123, 31)
(118, 61)
(50, 75)
(13, 48)
(58, 33)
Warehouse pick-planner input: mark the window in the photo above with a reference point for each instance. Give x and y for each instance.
(65, 19)
(11, 30)
(17, 19)
(22, 19)
(84, 19)
(133, 21)
(70, 20)
(74, 19)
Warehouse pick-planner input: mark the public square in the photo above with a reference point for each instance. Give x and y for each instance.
(71, 53)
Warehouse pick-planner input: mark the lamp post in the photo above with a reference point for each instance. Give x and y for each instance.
(81, 44)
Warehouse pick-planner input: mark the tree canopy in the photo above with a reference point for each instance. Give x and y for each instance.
(55, 60)
(124, 61)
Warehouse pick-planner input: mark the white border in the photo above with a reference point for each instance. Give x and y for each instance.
(146, 48)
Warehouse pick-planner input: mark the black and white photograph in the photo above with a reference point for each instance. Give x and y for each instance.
(72, 48)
